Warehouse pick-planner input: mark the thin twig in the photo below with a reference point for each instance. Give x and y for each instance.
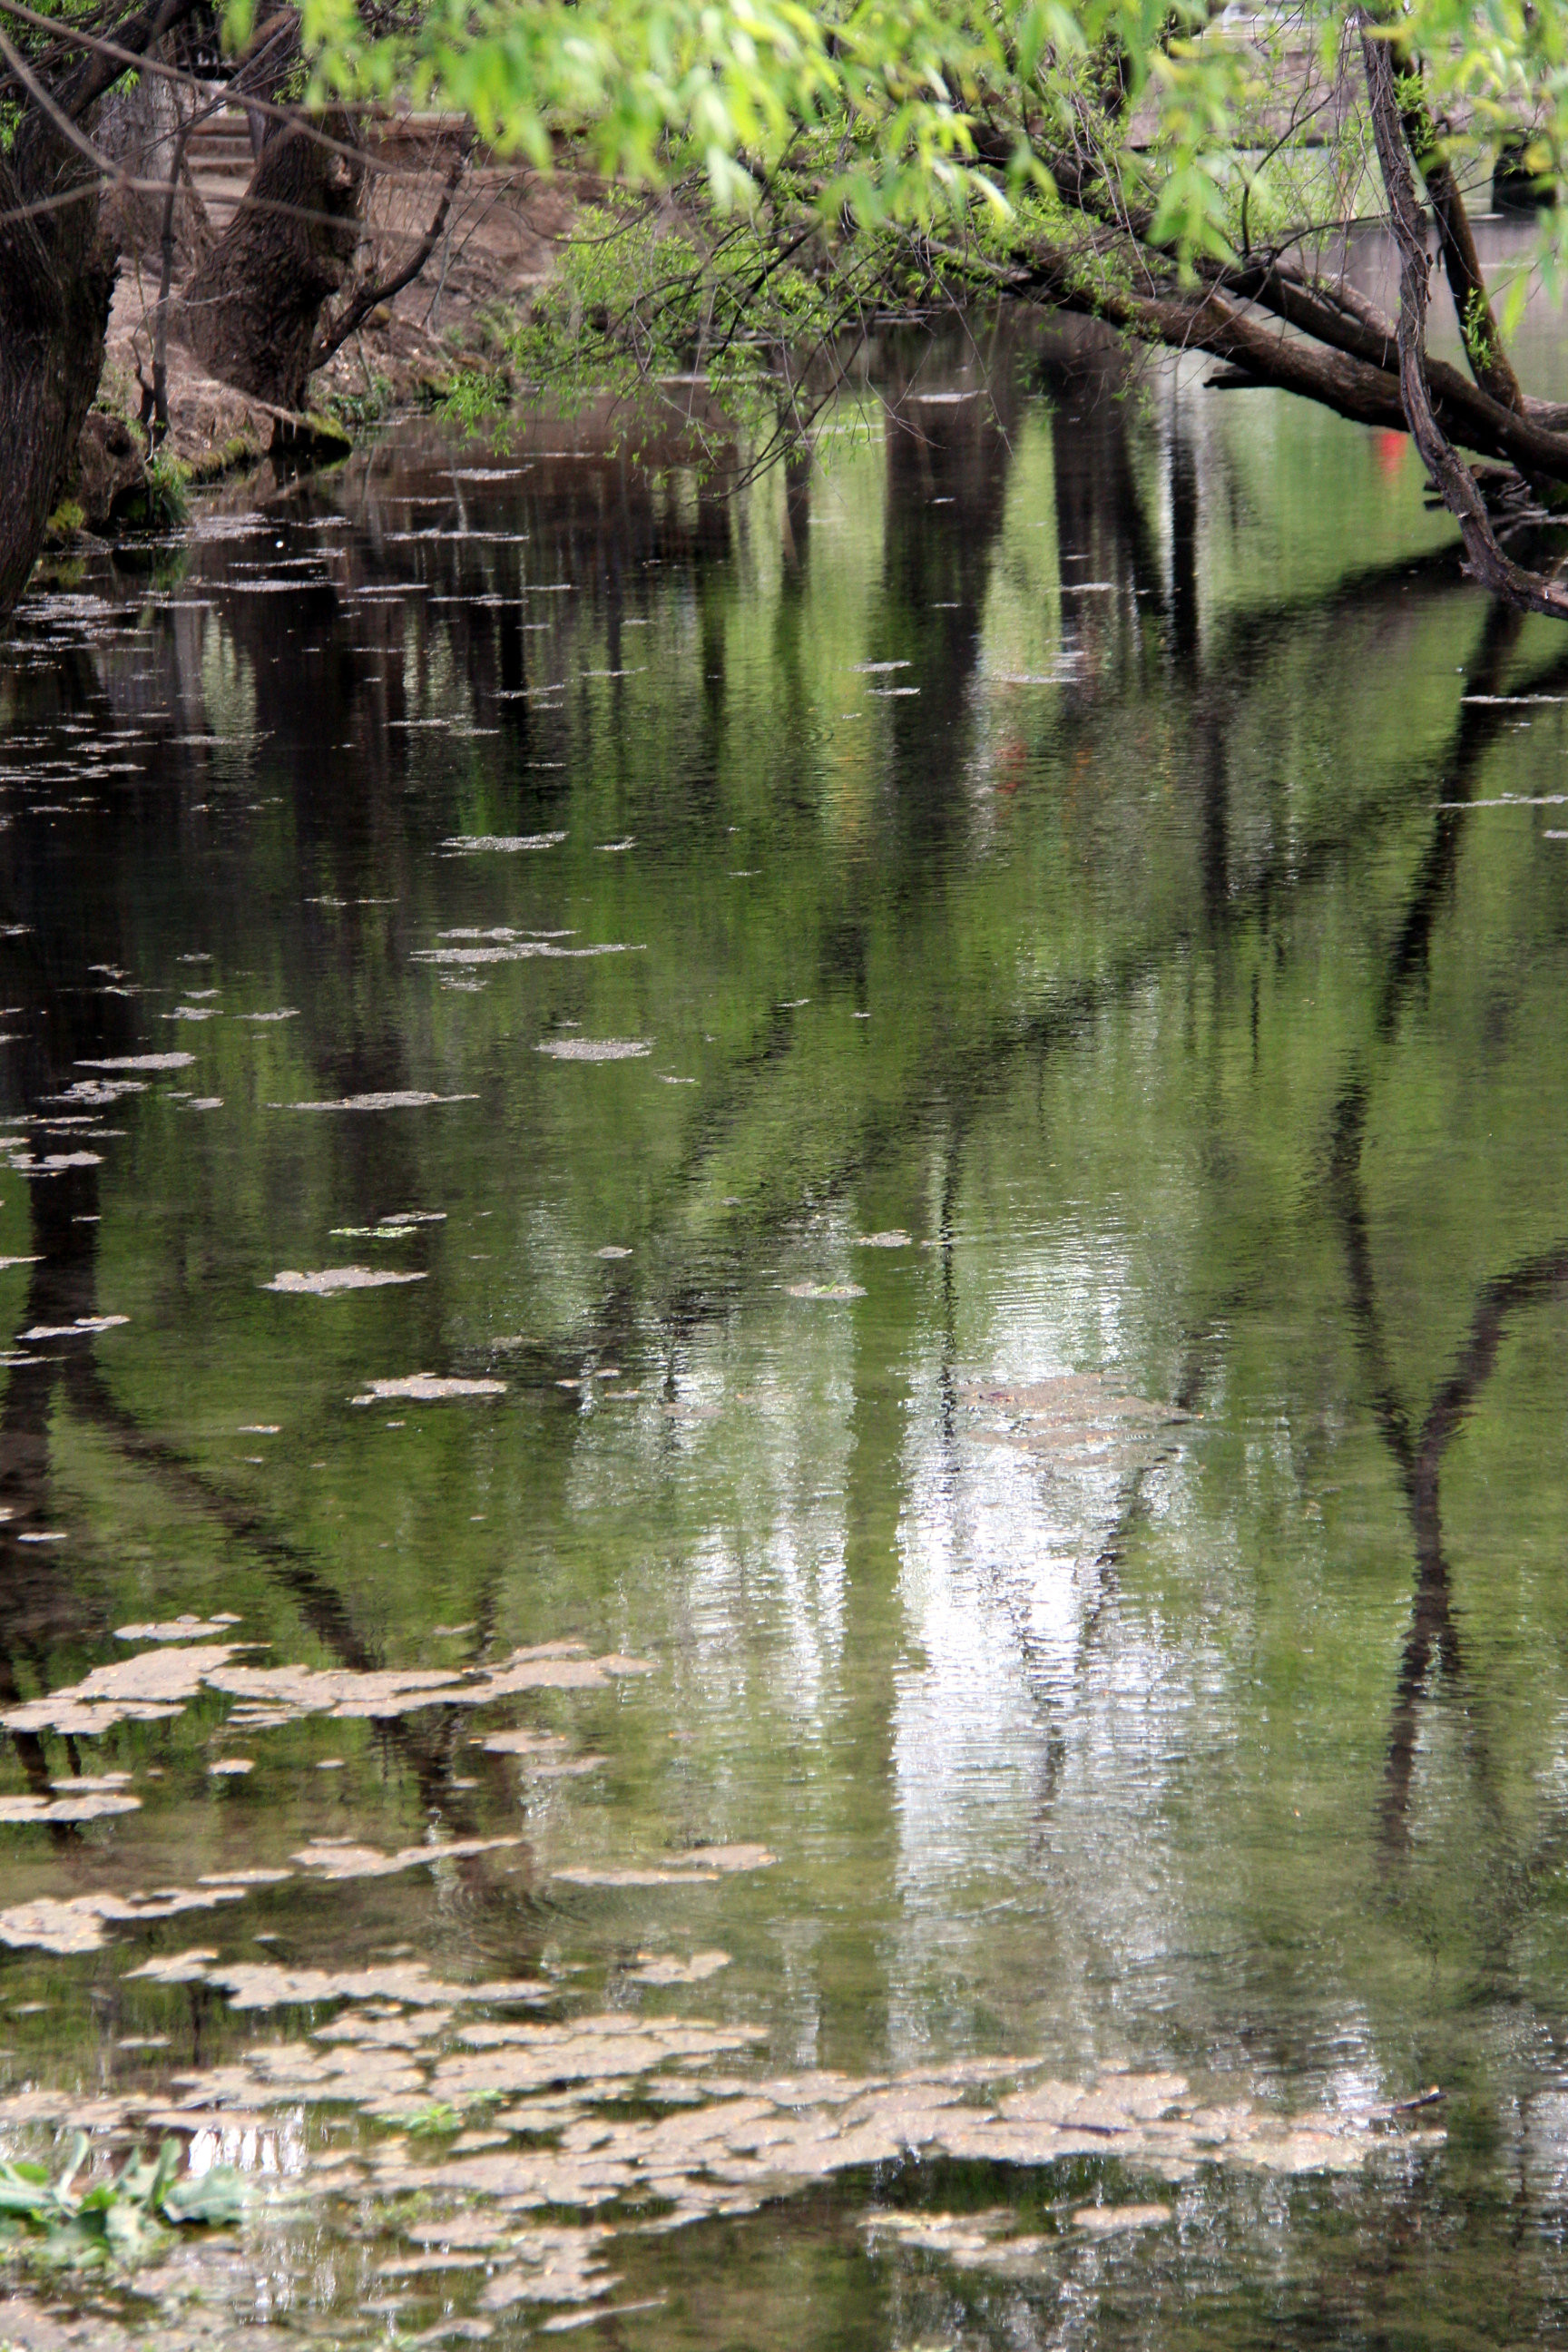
(360, 309)
(74, 36)
(60, 119)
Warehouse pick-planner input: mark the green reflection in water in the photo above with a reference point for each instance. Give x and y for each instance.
(1063, 833)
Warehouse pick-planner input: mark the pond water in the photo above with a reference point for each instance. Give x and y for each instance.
(785, 1278)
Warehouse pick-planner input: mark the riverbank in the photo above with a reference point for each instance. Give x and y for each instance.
(502, 234)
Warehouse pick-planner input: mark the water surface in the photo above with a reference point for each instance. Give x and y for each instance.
(960, 1050)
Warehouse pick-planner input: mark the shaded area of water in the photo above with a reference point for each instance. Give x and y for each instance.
(960, 1054)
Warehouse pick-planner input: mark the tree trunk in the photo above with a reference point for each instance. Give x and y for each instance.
(57, 279)
(1478, 328)
(138, 125)
(250, 312)
(1447, 472)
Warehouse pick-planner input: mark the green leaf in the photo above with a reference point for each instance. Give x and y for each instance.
(215, 2198)
(166, 2174)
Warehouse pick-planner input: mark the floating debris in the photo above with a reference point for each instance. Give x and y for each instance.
(427, 1388)
(262, 1985)
(727, 1857)
(413, 1099)
(348, 1695)
(54, 1163)
(76, 1924)
(144, 1689)
(504, 841)
(727, 2143)
(894, 1239)
(546, 1744)
(331, 1279)
(576, 2319)
(703, 1862)
(1101, 2219)
(593, 1049)
(968, 2240)
(331, 1859)
(185, 1628)
(159, 1683)
(83, 1324)
(562, 2268)
(520, 951)
(98, 1092)
(1510, 800)
(94, 1805)
(653, 1970)
(502, 931)
(631, 1876)
(1072, 1417)
(142, 1062)
(175, 1968)
(824, 1290)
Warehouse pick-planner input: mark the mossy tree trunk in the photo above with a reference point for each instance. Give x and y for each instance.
(57, 279)
(56, 276)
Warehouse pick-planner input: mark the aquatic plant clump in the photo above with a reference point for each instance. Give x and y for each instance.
(118, 2220)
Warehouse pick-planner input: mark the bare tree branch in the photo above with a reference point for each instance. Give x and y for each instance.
(61, 121)
(337, 331)
(108, 52)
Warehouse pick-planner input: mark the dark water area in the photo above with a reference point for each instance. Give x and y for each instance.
(785, 1277)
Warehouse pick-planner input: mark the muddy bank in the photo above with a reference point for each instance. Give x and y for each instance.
(499, 245)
